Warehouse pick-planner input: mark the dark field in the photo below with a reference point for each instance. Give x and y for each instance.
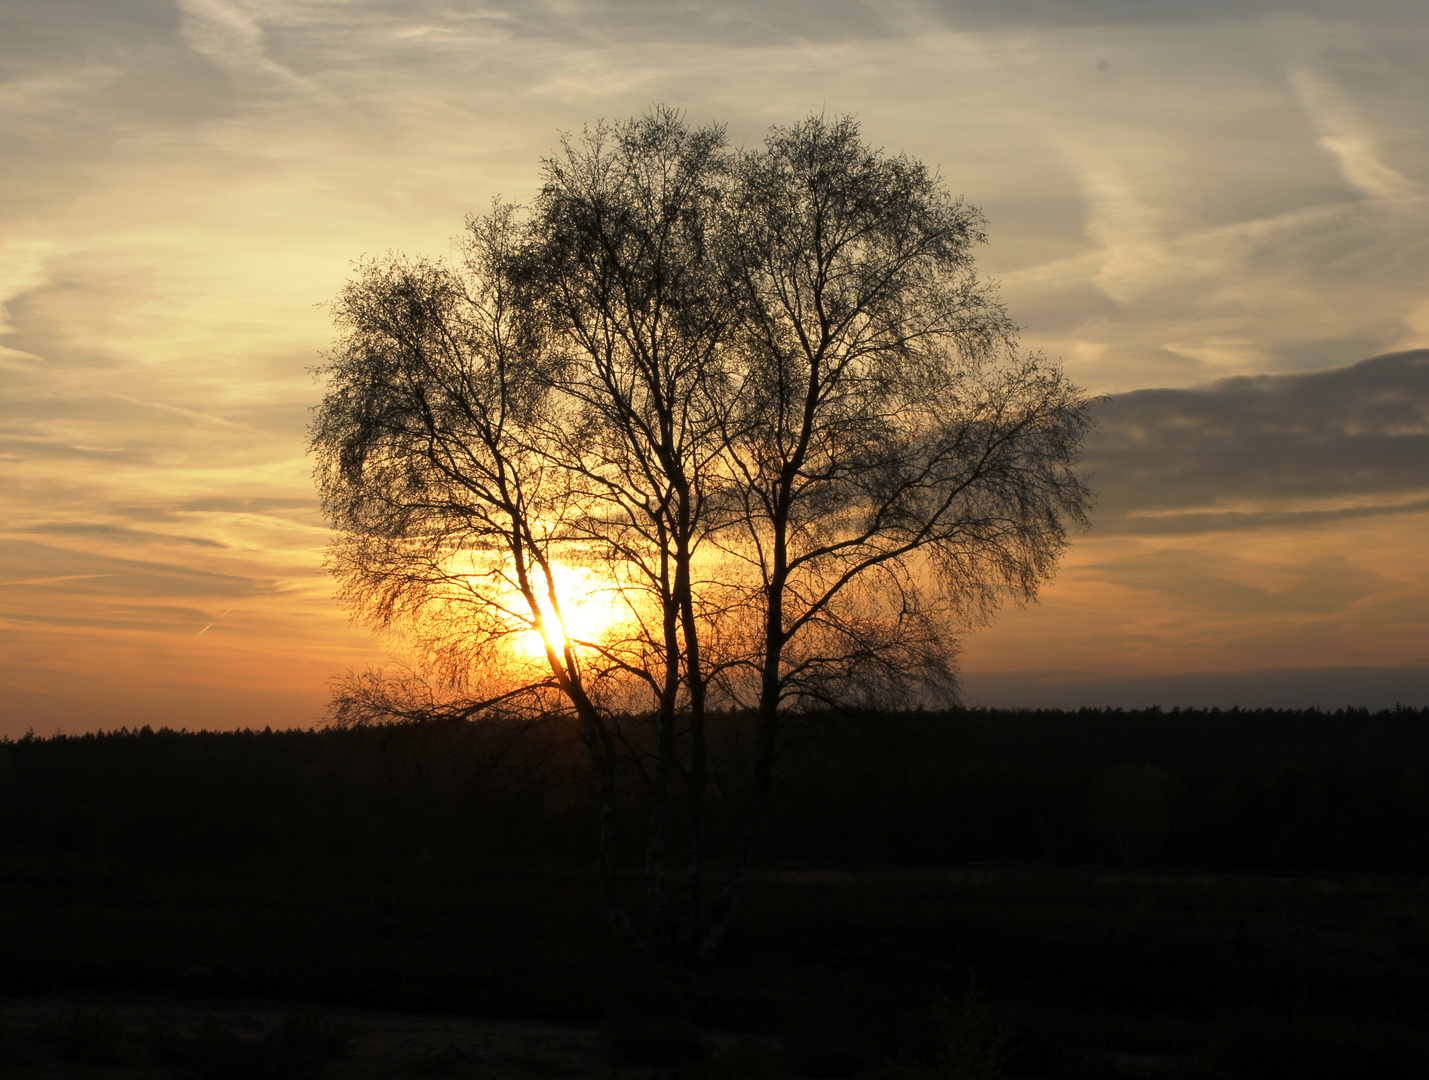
(141, 939)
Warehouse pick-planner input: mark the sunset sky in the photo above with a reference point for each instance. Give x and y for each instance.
(1215, 212)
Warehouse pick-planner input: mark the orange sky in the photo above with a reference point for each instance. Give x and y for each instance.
(1174, 198)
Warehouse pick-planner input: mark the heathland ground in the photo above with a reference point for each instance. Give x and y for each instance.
(974, 894)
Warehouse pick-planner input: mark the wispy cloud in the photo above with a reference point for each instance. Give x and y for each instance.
(177, 410)
(1354, 147)
(51, 91)
(118, 534)
(230, 35)
(52, 580)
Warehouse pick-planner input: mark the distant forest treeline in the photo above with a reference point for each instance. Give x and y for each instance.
(1280, 791)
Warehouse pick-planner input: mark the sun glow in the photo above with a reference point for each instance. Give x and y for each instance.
(588, 611)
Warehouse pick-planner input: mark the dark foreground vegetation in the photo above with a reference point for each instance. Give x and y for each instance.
(1192, 894)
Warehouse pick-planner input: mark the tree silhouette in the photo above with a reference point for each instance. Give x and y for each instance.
(756, 401)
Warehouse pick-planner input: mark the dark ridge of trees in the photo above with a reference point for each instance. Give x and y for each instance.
(400, 791)
(1280, 791)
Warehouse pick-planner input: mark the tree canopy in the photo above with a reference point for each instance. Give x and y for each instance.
(700, 432)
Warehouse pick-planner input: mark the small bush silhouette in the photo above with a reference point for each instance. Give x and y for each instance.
(745, 1059)
(1133, 808)
(216, 1050)
(633, 1043)
(973, 1041)
(86, 1036)
(828, 1044)
(437, 1062)
(13, 1051)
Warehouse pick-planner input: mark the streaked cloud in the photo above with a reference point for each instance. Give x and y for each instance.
(96, 574)
(1257, 522)
(1308, 447)
(1353, 145)
(116, 534)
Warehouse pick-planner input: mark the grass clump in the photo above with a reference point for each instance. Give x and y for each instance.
(961, 1039)
(86, 1036)
(628, 1042)
(217, 1049)
(744, 1059)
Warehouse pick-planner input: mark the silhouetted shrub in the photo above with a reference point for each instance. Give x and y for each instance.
(1133, 805)
(744, 1059)
(13, 1049)
(964, 1038)
(827, 1039)
(631, 1042)
(218, 1050)
(87, 1036)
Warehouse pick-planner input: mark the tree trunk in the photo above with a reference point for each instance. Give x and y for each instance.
(690, 923)
(603, 757)
(737, 884)
(768, 730)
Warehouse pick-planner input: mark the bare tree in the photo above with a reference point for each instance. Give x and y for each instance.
(546, 404)
(761, 396)
(637, 302)
(433, 468)
(896, 469)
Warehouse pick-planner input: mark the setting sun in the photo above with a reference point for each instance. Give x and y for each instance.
(587, 610)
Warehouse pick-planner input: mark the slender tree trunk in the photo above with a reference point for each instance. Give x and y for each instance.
(737, 884)
(657, 842)
(604, 760)
(690, 924)
(665, 751)
(768, 741)
(604, 757)
(771, 686)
